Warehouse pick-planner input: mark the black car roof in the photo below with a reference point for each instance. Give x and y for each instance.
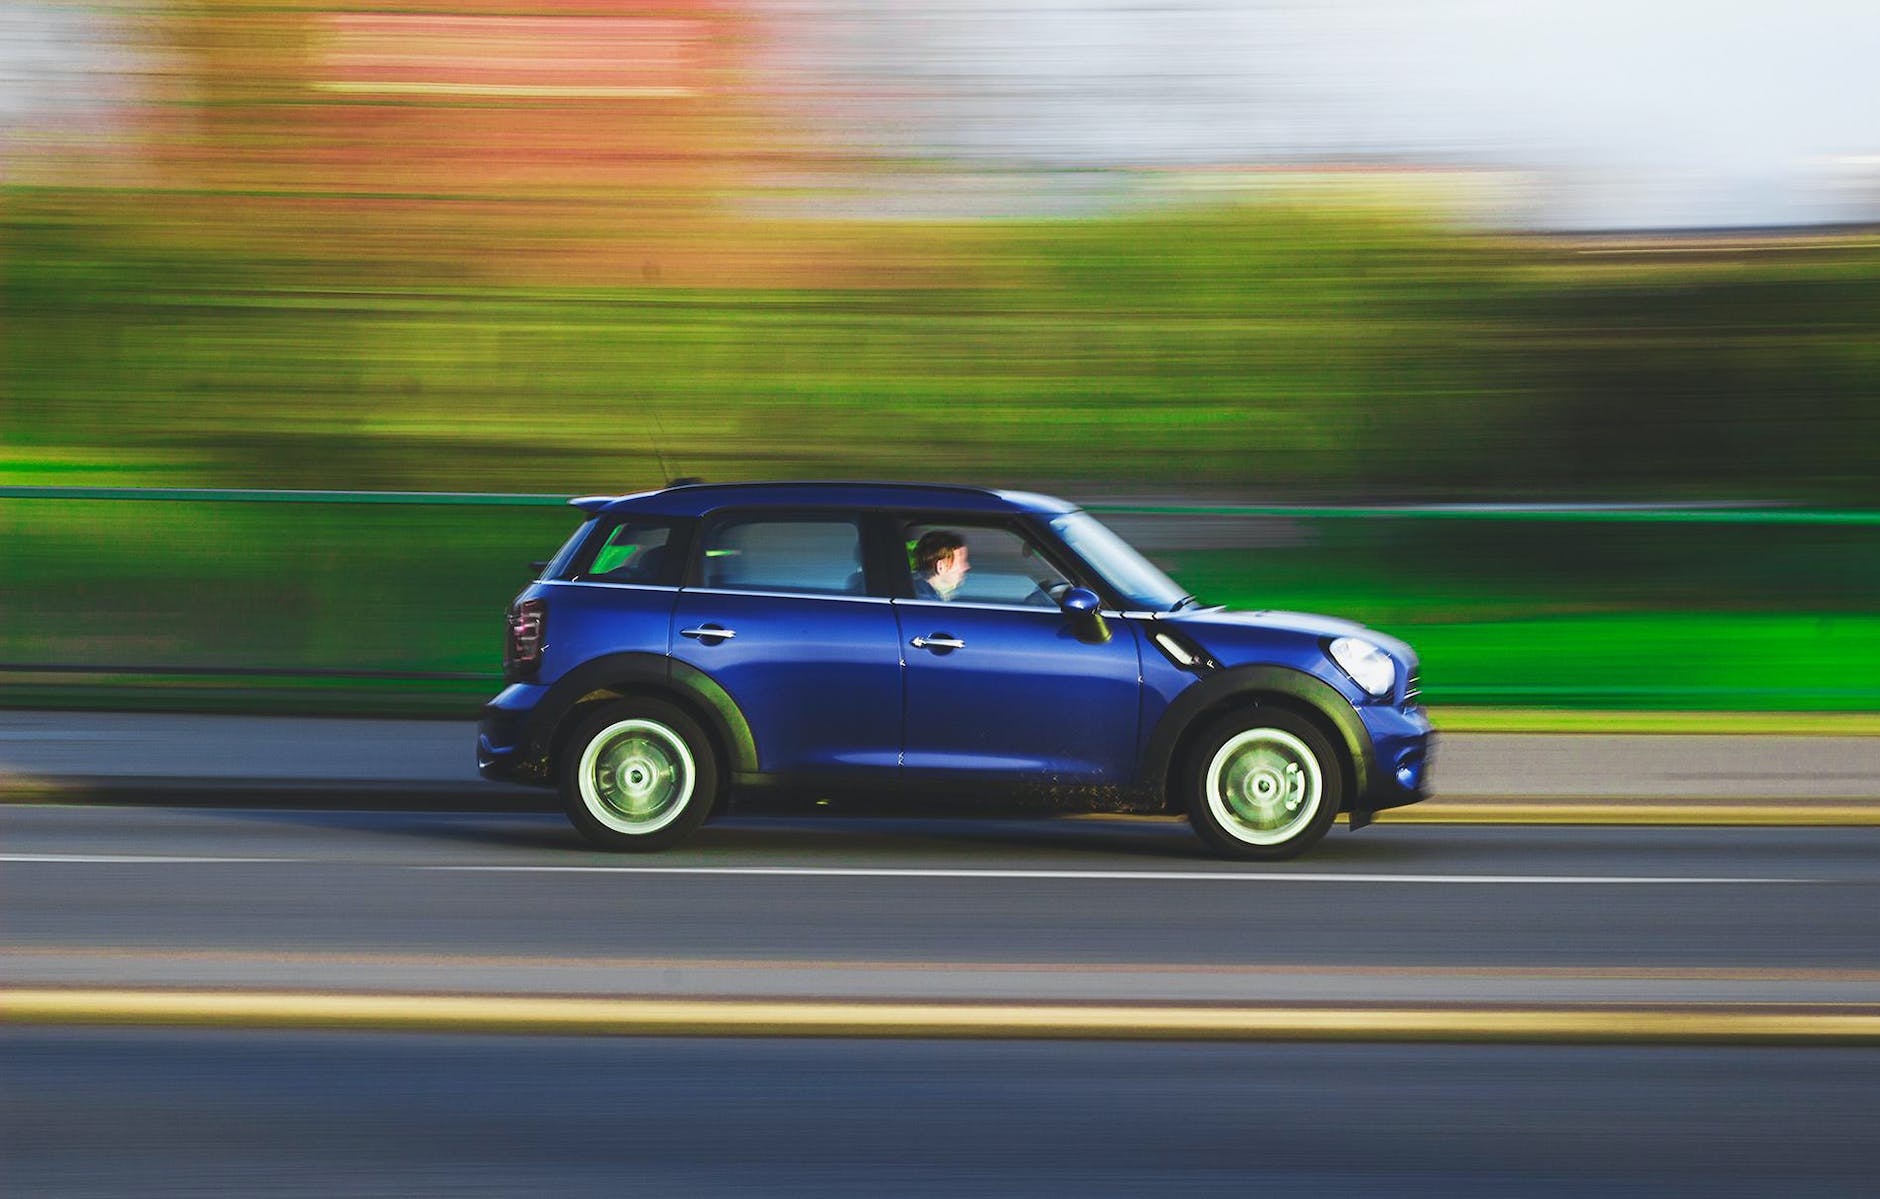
(697, 499)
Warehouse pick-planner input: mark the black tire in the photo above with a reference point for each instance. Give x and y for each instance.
(638, 775)
(1262, 784)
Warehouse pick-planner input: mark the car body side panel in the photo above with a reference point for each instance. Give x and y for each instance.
(1023, 696)
(588, 620)
(818, 678)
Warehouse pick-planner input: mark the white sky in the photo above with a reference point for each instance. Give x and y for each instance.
(1633, 112)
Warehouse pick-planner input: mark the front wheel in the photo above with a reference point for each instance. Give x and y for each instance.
(1262, 784)
(638, 775)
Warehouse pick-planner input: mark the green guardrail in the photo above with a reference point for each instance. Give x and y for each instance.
(258, 496)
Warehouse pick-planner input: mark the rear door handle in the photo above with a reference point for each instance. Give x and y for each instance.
(709, 633)
(938, 641)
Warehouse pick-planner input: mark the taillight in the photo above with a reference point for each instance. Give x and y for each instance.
(522, 648)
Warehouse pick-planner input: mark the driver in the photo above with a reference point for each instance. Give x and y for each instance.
(940, 564)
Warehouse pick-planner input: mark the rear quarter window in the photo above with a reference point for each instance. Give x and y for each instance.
(628, 551)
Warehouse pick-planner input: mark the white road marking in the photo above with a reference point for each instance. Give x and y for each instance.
(129, 859)
(1163, 876)
(1139, 875)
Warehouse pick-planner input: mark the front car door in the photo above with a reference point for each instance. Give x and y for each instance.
(777, 612)
(997, 683)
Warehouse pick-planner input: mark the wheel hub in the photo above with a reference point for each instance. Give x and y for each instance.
(1263, 789)
(1265, 784)
(636, 777)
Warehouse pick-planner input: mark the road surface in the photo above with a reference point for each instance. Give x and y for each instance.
(176, 1113)
(1626, 968)
(914, 909)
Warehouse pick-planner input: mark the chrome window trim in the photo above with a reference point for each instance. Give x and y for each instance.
(816, 595)
(976, 606)
(607, 583)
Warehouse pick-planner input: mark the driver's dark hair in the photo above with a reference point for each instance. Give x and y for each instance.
(934, 545)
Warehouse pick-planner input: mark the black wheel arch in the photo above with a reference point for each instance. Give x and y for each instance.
(624, 675)
(1244, 687)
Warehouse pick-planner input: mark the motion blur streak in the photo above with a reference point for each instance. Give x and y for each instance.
(535, 1016)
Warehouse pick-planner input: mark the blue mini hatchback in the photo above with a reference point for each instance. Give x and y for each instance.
(702, 641)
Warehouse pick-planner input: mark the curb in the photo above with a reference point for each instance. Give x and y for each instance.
(1773, 1024)
(348, 796)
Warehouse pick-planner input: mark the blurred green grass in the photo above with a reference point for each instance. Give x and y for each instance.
(1263, 350)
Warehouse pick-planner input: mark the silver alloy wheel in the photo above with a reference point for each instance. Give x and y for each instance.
(636, 776)
(1264, 786)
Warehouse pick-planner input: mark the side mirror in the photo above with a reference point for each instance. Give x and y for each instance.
(1083, 606)
(536, 568)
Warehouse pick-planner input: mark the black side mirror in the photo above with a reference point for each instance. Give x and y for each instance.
(1083, 606)
(536, 568)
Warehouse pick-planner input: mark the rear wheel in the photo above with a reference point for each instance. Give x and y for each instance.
(638, 775)
(1262, 784)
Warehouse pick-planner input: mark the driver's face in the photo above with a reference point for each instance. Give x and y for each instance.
(949, 570)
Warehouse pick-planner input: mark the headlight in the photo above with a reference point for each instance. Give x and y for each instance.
(1368, 666)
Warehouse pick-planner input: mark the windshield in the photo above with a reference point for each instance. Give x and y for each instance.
(1134, 576)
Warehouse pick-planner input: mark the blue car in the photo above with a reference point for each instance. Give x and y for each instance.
(707, 641)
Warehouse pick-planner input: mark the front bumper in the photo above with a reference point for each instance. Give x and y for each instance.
(1403, 744)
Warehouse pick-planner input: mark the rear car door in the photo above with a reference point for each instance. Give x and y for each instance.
(777, 611)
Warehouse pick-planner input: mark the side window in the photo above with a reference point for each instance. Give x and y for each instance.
(1000, 566)
(818, 557)
(633, 551)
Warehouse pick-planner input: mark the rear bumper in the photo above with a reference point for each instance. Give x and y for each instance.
(1403, 745)
(507, 750)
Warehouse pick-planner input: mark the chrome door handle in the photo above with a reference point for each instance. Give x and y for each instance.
(709, 632)
(938, 641)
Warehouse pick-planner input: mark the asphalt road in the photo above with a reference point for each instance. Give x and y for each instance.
(839, 914)
(916, 909)
(93, 1112)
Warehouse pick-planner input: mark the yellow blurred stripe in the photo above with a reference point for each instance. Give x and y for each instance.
(1608, 1023)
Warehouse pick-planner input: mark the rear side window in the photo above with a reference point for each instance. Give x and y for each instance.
(633, 551)
(818, 557)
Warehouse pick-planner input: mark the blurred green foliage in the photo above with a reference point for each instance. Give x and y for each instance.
(1253, 350)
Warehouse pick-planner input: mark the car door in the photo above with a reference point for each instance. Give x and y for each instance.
(777, 612)
(998, 683)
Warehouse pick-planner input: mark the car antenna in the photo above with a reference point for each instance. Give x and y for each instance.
(672, 480)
